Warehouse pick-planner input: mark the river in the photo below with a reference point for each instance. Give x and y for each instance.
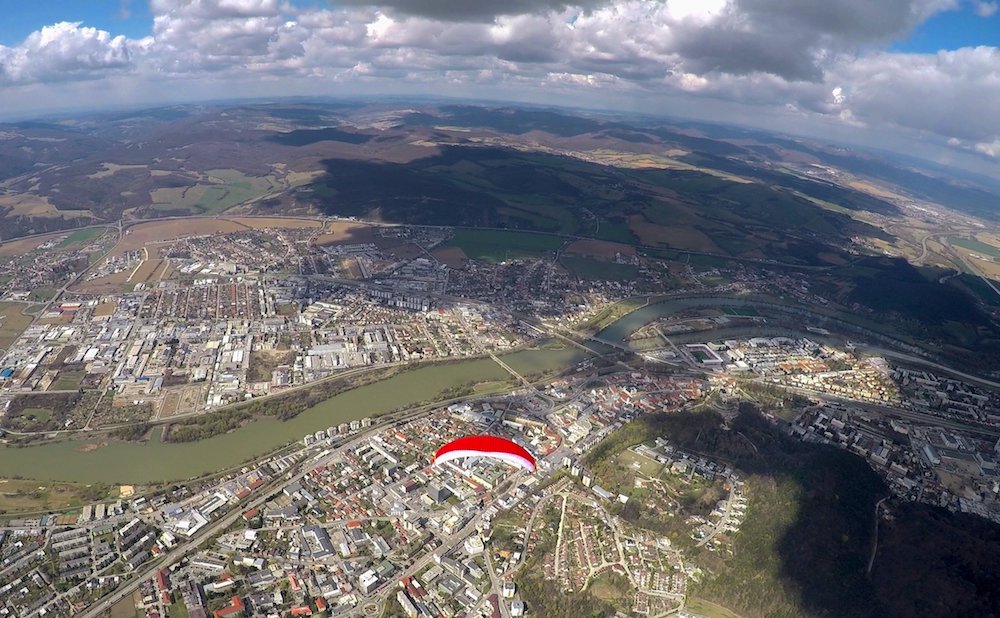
(112, 461)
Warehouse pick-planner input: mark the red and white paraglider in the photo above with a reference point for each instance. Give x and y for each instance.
(486, 446)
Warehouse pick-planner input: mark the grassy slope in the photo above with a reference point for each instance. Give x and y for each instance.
(803, 547)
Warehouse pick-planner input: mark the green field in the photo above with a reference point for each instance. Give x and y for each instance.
(975, 245)
(227, 188)
(177, 610)
(67, 381)
(12, 323)
(631, 460)
(22, 496)
(590, 269)
(499, 245)
(81, 237)
(42, 294)
(42, 415)
(613, 588)
(616, 232)
(708, 609)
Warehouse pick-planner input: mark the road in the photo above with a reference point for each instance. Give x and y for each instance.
(923, 247)
(105, 604)
(673, 345)
(871, 560)
(886, 410)
(559, 535)
(497, 585)
(208, 532)
(527, 383)
(916, 360)
(970, 266)
(725, 516)
(447, 543)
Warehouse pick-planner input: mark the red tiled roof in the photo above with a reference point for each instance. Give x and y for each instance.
(234, 608)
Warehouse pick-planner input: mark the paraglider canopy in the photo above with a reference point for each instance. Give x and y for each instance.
(486, 446)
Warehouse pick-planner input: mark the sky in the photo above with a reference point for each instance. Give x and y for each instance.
(916, 76)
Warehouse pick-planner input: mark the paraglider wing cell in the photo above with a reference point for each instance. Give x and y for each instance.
(486, 446)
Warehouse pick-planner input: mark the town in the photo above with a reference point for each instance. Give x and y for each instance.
(352, 519)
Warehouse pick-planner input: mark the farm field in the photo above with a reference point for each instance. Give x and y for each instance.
(150, 270)
(25, 245)
(599, 249)
(111, 283)
(226, 188)
(12, 323)
(684, 238)
(81, 237)
(31, 205)
(980, 257)
(42, 295)
(346, 232)
(499, 245)
(587, 268)
(263, 223)
(67, 381)
(125, 608)
(142, 234)
(453, 257)
(976, 246)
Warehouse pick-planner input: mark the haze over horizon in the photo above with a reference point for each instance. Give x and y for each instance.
(919, 77)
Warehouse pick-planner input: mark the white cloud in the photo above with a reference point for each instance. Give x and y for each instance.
(991, 149)
(986, 9)
(795, 59)
(952, 93)
(63, 52)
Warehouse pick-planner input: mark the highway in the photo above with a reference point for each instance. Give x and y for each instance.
(916, 360)
(969, 265)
